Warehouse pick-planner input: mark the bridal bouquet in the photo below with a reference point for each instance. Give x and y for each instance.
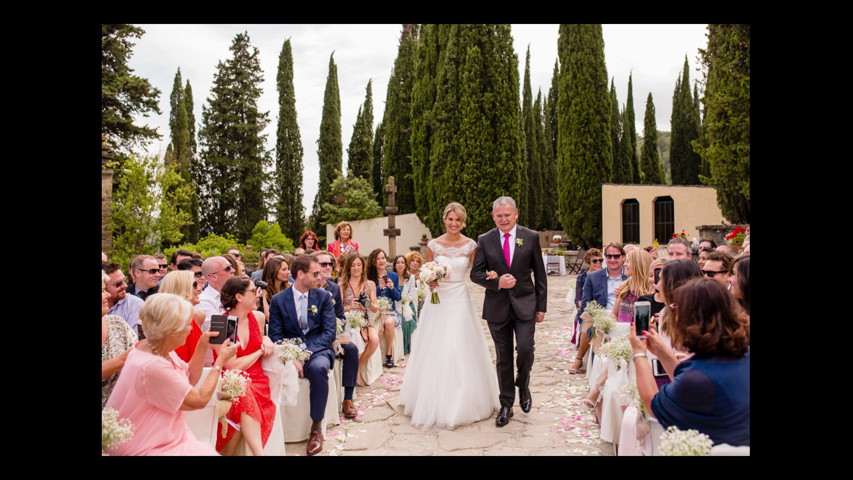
(291, 349)
(687, 443)
(616, 350)
(433, 272)
(356, 319)
(113, 430)
(234, 383)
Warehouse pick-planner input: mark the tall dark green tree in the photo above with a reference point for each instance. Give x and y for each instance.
(360, 150)
(621, 167)
(397, 122)
(683, 161)
(232, 146)
(189, 106)
(329, 148)
(585, 150)
(726, 62)
(630, 127)
(378, 160)
(651, 168)
(287, 175)
(124, 95)
(550, 211)
(533, 165)
(179, 156)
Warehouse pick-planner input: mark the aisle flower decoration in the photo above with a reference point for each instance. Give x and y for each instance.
(292, 349)
(601, 318)
(422, 290)
(630, 396)
(114, 430)
(433, 272)
(736, 236)
(685, 443)
(618, 349)
(406, 304)
(383, 303)
(355, 319)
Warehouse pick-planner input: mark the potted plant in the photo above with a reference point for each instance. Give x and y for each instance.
(736, 237)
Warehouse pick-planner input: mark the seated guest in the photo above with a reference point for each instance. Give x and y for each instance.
(183, 284)
(146, 275)
(277, 277)
(406, 284)
(343, 243)
(235, 264)
(594, 261)
(349, 370)
(194, 265)
(255, 411)
(709, 392)
(179, 256)
(415, 260)
(739, 281)
(120, 303)
(156, 386)
(309, 242)
(306, 312)
(216, 270)
(355, 286)
(386, 282)
(262, 260)
(117, 338)
(717, 265)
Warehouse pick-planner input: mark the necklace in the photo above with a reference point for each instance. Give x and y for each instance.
(154, 349)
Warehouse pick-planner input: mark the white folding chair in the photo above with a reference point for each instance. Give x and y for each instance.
(202, 422)
(296, 419)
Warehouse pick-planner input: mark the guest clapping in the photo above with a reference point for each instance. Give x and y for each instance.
(709, 391)
(117, 339)
(156, 386)
(255, 411)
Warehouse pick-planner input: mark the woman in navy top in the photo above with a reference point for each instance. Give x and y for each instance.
(709, 391)
(386, 282)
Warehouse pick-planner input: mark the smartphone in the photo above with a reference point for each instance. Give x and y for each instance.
(642, 315)
(226, 325)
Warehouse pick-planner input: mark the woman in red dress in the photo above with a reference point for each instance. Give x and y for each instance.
(254, 411)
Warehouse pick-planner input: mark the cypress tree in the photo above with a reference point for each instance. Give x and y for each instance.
(585, 152)
(621, 169)
(549, 188)
(652, 169)
(533, 167)
(630, 126)
(330, 147)
(398, 122)
(189, 106)
(191, 231)
(360, 150)
(683, 161)
(287, 176)
(178, 124)
(232, 147)
(727, 105)
(378, 157)
(549, 159)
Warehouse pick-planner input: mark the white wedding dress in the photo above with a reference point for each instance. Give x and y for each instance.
(450, 379)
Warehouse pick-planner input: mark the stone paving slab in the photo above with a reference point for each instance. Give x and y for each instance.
(558, 425)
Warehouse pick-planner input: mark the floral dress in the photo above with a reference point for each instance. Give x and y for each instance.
(120, 337)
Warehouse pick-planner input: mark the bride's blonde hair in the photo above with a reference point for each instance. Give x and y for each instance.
(456, 208)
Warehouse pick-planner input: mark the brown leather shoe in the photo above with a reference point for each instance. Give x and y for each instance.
(349, 409)
(315, 442)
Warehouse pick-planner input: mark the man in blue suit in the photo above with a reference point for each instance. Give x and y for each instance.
(601, 284)
(306, 312)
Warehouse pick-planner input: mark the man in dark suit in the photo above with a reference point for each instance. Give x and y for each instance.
(350, 350)
(515, 300)
(601, 284)
(306, 312)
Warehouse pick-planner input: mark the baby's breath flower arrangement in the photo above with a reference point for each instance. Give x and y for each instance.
(618, 349)
(356, 319)
(114, 430)
(685, 443)
(234, 384)
(405, 298)
(630, 396)
(291, 349)
(383, 303)
(601, 318)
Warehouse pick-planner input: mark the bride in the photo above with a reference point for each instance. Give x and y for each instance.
(450, 379)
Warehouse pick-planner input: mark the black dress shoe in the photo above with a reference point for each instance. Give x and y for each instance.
(525, 399)
(503, 416)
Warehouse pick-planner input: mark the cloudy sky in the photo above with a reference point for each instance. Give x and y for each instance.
(654, 54)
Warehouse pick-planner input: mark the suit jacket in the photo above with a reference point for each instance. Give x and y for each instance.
(335, 291)
(531, 288)
(284, 321)
(595, 288)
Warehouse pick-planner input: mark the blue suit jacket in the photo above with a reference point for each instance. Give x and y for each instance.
(284, 321)
(335, 291)
(595, 288)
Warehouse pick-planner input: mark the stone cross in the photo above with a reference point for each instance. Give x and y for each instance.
(391, 232)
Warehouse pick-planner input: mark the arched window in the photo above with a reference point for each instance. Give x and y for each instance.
(664, 219)
(631, 221)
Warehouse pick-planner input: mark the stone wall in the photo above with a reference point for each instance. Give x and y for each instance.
(717, 233)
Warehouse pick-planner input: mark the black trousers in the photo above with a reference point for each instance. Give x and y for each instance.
(502, 334)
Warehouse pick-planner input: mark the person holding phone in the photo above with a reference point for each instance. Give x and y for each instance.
(359, 293)
(709, 391)
(255, 411)
(386, 286)
(156, 386)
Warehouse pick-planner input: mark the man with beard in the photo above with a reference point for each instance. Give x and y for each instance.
(120, 303)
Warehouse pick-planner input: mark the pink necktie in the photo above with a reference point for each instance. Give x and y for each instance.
(506, 249)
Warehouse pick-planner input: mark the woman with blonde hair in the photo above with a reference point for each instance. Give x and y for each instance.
(637, 263)
(156, 386)
(359, 293)
(183, 284)
(343, 240)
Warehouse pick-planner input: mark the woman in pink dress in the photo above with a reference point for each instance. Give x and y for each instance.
(343, 243)
(254, 412)
(156, 386)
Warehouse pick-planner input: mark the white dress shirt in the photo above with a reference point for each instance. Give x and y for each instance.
(210, 303)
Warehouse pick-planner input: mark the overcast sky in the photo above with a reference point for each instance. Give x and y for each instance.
(654, 54)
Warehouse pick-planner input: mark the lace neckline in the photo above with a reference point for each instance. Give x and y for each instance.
(452, 252)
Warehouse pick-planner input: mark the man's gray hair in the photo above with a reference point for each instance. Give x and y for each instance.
(504, 201)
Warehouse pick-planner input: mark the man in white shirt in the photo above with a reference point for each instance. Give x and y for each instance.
(217, 271)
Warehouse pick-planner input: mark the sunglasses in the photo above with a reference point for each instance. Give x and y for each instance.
(711, 273)
(163, 266)
(596, 260)
(120, 282)
(619, 255)
(152, 271)
(326, 264)
(226, 269)
(198, 274)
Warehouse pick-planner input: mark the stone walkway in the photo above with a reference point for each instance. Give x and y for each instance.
(558, 425)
